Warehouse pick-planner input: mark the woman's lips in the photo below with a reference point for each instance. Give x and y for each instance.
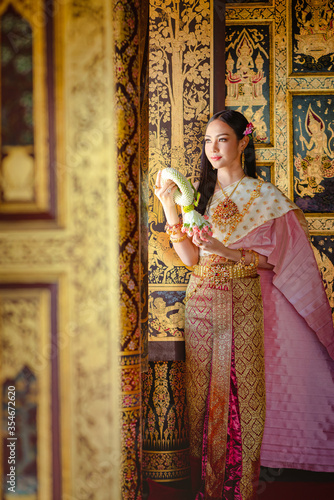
(214, 158)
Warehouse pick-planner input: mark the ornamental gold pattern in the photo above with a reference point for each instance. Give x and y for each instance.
(180, 72)
(313, 36)
(127, 107)
(80, 255)
(308, 82)
(24, 167)
(165, 422)
(26, 362)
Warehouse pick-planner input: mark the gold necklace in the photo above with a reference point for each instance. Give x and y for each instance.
(226, 212)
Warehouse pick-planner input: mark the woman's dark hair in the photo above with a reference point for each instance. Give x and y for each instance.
(208, 178)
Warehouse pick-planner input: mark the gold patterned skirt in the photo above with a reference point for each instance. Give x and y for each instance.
(225, 378)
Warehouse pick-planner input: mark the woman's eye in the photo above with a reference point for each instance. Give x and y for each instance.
(222, 139)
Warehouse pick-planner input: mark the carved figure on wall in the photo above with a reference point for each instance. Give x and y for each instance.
(17, 177)
(318, 163)
(247, 76)
(158, 320)
(162, 257)
(167, 320)
(245, 81)
(260, 132)
(314, 45)
(327, 273)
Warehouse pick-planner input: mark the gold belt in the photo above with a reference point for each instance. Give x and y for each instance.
(220, 273)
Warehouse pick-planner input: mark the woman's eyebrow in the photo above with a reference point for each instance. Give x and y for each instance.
(218, 135)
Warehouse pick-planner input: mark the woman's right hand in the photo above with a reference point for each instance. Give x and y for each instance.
(164, 191)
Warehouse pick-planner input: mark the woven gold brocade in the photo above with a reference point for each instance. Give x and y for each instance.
(209, 326)
(249, 365)
(219, 392)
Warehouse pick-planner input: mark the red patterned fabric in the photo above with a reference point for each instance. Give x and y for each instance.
(235, 404)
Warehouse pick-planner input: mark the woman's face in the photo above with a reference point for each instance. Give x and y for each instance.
(222, 147)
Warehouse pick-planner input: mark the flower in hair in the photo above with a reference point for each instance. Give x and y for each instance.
(249, 129)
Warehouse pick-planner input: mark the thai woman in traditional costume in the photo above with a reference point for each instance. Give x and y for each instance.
(258, 327)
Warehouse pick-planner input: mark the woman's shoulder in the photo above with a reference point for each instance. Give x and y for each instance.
(256, 181)
(265, 186)
(273, 196)
(268, 187)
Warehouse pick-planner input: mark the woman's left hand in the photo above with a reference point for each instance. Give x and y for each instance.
(209, 244)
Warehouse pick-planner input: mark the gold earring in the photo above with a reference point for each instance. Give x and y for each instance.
(243, 160)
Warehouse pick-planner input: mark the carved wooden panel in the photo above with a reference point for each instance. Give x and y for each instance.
(78, 251)
(27, 131)
(28, 359)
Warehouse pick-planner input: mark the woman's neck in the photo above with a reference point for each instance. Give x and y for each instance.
(227, 177)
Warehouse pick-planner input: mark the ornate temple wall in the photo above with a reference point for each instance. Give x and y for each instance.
(279, 72)
(77, 212)
(180, 79)
(278, 65)
(131, 111)
(59, 269)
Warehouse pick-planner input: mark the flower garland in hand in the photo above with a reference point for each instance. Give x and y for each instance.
(187, 197)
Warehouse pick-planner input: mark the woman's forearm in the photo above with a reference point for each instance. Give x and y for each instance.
(235, 255)
(183, 245)
(187, 252)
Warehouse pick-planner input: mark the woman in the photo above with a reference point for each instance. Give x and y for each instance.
(257, 232)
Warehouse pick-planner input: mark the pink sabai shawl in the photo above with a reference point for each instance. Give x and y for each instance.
(299, 340)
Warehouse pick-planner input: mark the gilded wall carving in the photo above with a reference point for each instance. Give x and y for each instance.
(179, 78)
(323, 249)
(26, 173)
(166, 313)
(313, 36)
(249, 70)
(82, 254)
(313, 154)
(26, 366)
(165, 422)
(180, 74)
(302, 155)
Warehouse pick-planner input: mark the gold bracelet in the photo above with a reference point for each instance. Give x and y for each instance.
(255, 258)
(242, 258)
(173, 229)
(178, 240)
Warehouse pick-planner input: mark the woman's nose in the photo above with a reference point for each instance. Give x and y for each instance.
(215, 146)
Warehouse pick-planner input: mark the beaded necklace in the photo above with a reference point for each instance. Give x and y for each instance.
(234, 220)
(226, 212)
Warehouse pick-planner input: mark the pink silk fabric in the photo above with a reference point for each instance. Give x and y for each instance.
(299, 428)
